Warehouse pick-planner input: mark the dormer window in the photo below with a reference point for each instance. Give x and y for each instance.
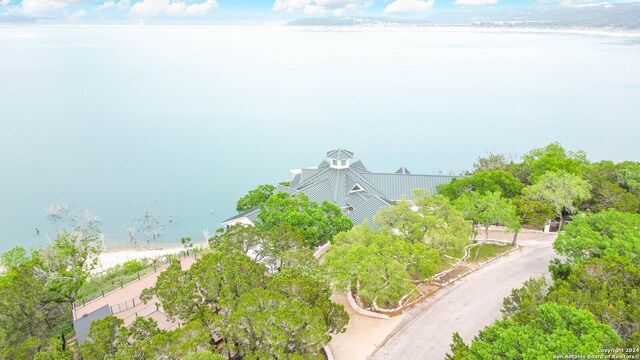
(339, 164)
(357, 188)
(339, 159)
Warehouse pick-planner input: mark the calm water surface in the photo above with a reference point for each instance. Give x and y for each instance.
(184, 120)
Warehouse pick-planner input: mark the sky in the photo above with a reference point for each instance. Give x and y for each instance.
(260, 11)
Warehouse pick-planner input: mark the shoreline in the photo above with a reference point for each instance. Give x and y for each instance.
(116, 256)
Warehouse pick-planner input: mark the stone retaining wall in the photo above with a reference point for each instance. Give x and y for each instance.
(362, 311)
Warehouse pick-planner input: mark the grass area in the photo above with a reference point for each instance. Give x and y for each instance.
(488, 251)
(446, 262)
(456, 253)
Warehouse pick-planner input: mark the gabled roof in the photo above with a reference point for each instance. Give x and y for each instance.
(403, 170)
(340, 154)
(251, 214)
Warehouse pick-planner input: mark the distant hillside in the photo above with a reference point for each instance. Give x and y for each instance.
(16, 19)
(614, 16)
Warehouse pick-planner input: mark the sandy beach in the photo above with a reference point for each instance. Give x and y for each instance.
(111, 258)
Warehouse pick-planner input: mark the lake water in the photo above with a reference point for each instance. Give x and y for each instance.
(184, 120)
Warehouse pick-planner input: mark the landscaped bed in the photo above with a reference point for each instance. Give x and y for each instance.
(487, 251)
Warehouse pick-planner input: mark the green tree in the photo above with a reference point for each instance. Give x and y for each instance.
(489, 209)
(14, 258)
(608, 233)
(563, 190)
(556, 330)
(608, 287)
(318, 223)
(380, 265)
(552, 158)
(445, 226)
(312, 287)
(459, 350)
(36, 292)
(284, 242)
(403, 219)
(133, 341)
(522, 304)
(109, 338)
(429, 218)
(606, 189)
(483, 182)
(27, 317)
(194, 336)
(215, 277)
(302, 257)
(238, 238)
(535, 213)
(264, 324)
(266, 246)
(55, 351)
(255, 197)
(102, 340)
(628, 174)
(491, 162)
(66, 264)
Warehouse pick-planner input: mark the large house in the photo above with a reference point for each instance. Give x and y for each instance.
(359, 192)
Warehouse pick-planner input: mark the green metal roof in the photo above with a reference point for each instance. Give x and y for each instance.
(367, 210)
(335, 185)
(394, 186)
(340, 154)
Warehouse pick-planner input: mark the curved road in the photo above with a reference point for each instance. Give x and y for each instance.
(467, 306)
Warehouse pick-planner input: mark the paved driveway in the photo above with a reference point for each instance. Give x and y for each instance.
(467, 306)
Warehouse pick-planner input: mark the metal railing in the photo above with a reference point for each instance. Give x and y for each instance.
(123, 280)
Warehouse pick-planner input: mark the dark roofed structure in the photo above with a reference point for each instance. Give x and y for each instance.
(359, 192)
(81, 326)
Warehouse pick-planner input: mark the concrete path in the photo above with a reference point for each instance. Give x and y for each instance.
(125, 302)
(364, 334)
(466, 306)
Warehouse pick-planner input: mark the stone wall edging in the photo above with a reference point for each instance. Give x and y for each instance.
(327, 350)
(321, 250)
(362, 311)
(480, 266)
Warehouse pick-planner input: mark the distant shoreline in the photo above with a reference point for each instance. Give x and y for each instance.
(483, 29)
(608, 32)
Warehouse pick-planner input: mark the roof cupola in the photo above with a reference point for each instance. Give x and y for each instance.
(339, 158)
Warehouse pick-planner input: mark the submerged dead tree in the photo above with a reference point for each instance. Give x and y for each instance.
(149, 227)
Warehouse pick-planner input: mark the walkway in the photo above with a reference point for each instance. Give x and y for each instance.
(126, 304)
